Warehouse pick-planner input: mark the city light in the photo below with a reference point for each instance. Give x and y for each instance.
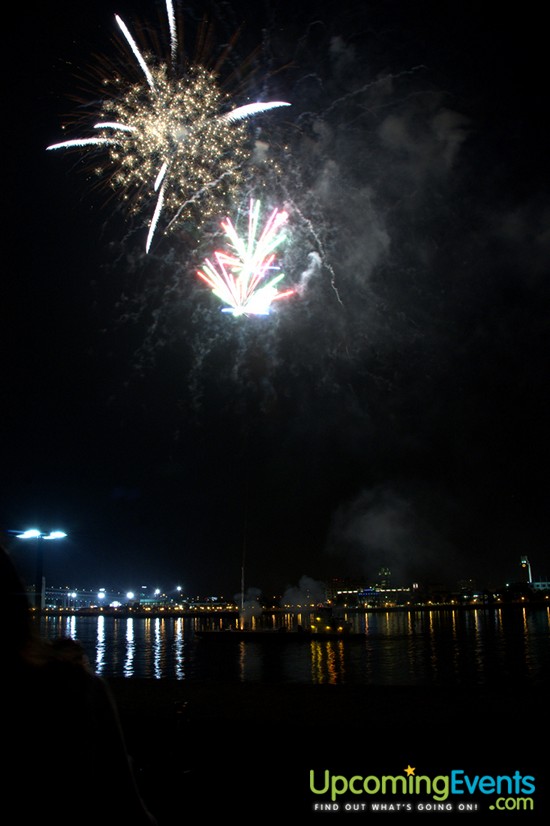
(40, 585)
(34, 533)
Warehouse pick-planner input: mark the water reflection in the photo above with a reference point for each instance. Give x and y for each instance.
(130, 648)
(432, 647)
(158, 648)
(178, 649)
(100, 649)
(328, 662)
(146, 646)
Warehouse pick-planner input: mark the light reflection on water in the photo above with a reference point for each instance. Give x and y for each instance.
(130, 648)
(445, 647)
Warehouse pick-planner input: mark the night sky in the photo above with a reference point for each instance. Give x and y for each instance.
(394, 412)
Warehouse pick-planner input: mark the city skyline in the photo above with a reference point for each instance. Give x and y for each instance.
(306, 591)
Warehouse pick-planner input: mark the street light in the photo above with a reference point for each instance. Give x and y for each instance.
(34, 533)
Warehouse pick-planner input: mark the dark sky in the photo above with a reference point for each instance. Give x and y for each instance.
(394, 413)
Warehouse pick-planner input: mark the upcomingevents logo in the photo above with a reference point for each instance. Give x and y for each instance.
(409, 791)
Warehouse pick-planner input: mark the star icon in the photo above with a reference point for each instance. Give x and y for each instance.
(410, 770)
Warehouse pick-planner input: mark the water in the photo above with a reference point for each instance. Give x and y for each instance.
(432, 647)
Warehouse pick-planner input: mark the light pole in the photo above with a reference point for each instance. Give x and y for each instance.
(527, 565)
(39, 536)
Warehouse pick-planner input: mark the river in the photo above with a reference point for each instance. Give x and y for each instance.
(476, 646)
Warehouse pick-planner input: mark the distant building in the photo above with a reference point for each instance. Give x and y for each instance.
(383, 580)
(353, 592)
(373, 597)
(339, 585)
(526, 565)
(537, 584)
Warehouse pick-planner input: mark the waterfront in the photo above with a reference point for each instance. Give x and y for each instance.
(218, 727)
(436, 647)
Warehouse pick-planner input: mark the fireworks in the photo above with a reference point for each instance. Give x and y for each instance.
(238, 278)
(169, 138)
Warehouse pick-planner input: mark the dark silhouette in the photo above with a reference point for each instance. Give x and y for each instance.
(65, 753)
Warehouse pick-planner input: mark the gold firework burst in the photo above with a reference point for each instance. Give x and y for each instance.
(171, 137)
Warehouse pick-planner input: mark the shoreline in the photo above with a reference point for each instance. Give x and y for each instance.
(125, 613)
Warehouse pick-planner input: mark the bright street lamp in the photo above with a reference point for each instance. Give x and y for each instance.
(34, 533)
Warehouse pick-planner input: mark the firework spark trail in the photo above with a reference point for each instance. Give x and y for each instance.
(237, 278)
(383, 79)
(84, 142)
(250, 109)
(324, 114)
(113, 125)
(171, 137)
(173, 34)
(156, 215)
(324, 258)
(195, 199)
(137, 54)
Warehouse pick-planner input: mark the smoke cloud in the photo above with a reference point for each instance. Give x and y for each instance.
(308, 592)
(385, 527)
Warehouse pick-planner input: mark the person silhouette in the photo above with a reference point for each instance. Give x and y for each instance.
(67, 758)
